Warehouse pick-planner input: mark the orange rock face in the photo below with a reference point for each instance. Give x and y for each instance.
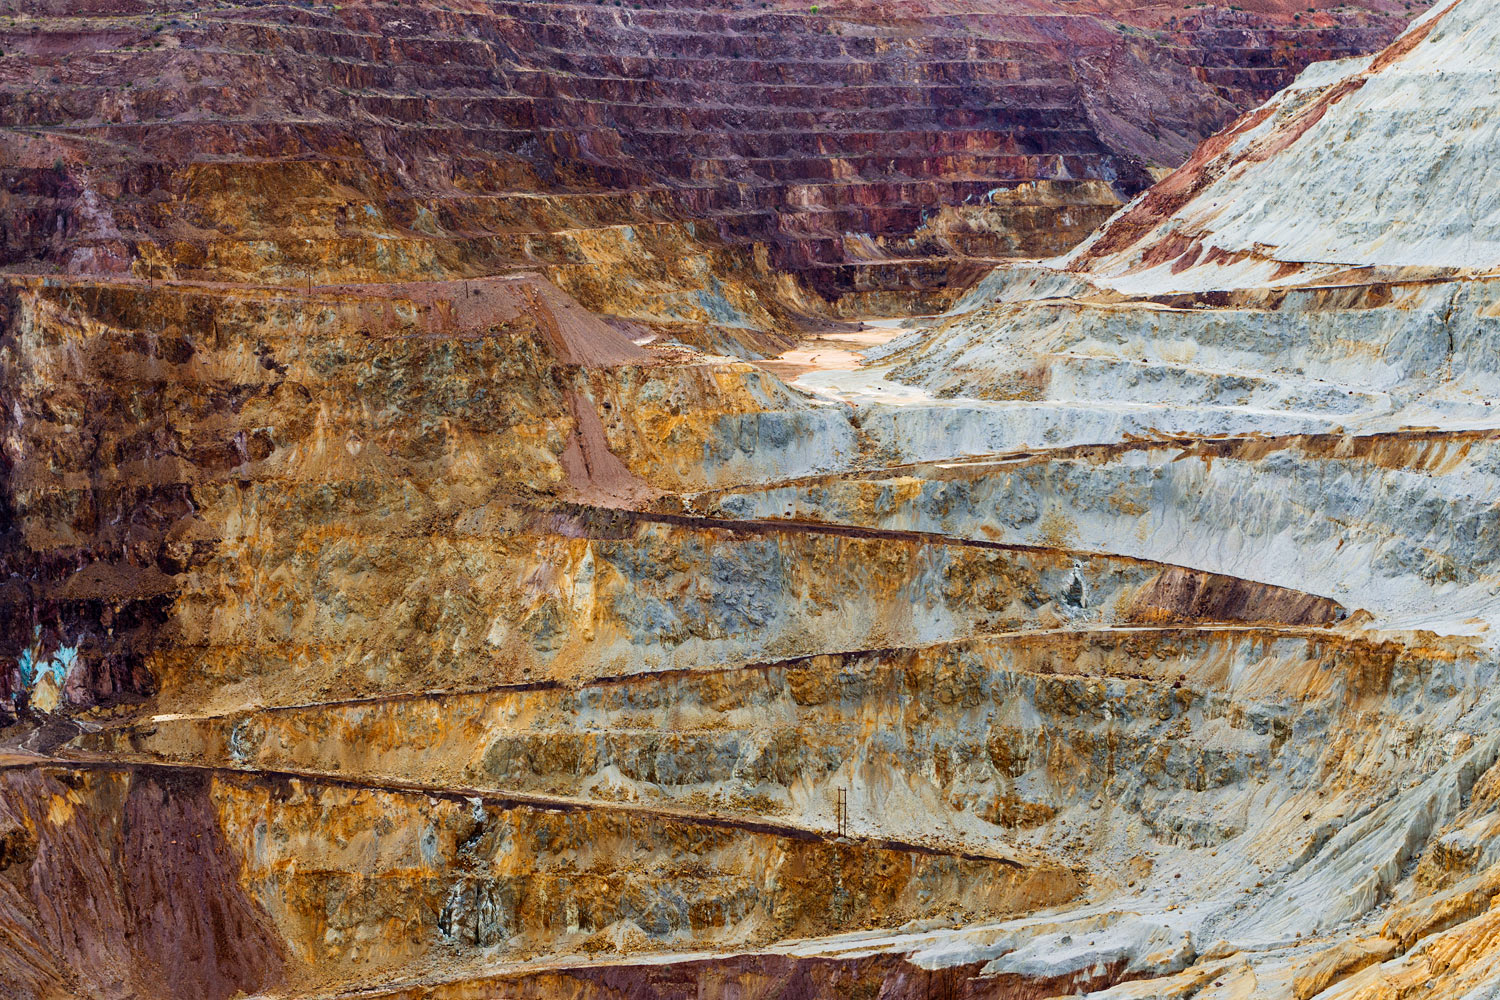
(416, 582)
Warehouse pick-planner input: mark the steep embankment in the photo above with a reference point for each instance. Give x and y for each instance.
(381, 621)
(1278, 364)
(658, 160)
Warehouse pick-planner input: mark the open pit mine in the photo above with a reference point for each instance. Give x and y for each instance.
(520, 500)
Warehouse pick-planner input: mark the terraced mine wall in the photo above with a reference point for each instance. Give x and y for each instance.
(475, 873)
(351, 525)
(455, 686)
(405, 591)
(666, 161)
(577, 673)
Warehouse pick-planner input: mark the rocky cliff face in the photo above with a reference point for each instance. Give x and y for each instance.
(652, 158)
(394, 606)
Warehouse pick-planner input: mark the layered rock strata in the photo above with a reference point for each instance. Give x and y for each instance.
(406, 629)
(659, 160)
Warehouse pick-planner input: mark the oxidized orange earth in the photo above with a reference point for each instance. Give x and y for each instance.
(463, 536)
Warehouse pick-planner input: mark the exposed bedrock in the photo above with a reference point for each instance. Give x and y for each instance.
(1400, 525)
(119, 883)
(418, 502)
(758, 976)
(260, 880)
(883, 157)
(428, 507)
(416, 581)
(1355, 349)
(981, 741)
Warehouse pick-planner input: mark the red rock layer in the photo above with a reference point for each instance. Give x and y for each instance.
(472, 137)
(124, 879)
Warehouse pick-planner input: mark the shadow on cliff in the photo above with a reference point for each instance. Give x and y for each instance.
(85, 563)
(118, 884)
